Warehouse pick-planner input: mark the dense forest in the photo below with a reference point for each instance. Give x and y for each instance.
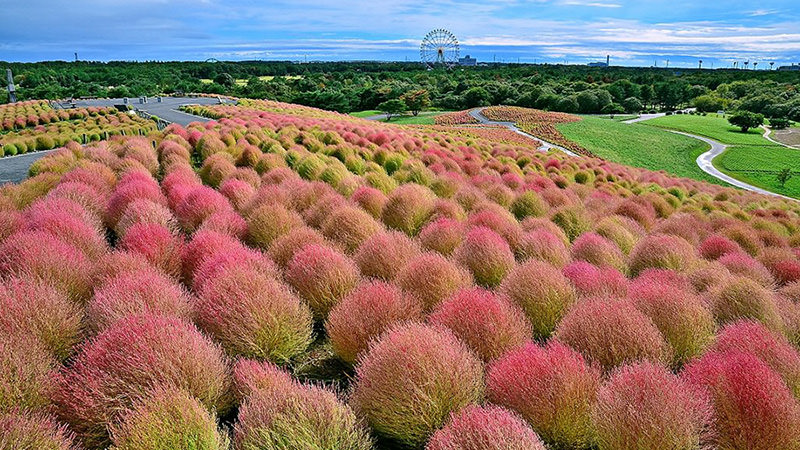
(355, 86)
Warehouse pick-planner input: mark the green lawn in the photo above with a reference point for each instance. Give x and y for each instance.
(639, 146)
(424, 118)
(365, 114)
(748, 152)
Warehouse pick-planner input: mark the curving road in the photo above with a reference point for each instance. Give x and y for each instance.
(477, 114)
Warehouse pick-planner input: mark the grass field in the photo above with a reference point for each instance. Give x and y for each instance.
(638, 145)
(424, 118)
(748, 152)
(365, 114)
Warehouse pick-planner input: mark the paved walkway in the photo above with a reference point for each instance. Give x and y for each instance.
(14, 169)
(477, 114)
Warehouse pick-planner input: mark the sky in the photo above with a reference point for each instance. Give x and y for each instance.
(632, 32)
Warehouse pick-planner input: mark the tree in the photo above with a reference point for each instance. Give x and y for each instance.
(632, 105)
(746, 120)
(417, 100)
(392, 108)
(225, 79)
(476, 96)
(783, 176)
(779, 123)
(709, 103)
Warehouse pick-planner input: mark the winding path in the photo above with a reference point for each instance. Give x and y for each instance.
(477, 114)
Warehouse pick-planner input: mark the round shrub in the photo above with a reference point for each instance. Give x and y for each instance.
(746, 237)
(442, 235)
(284, 248)
(488, 323)
(26, 371)
(552, 388)
(37, 310)
(715, 246)
(593, 281)
(573, 220)
(21, 430)
(238, 257)
(43, 257)
(10, 222)
(408, 208)
(70, 230)
(269, 222)
(302, 417)
(136, 293)
(349, 227)
(370, 199)
(621, 230)
(238, 192)
(431, 278)
(783, 264)
(364, 314)
(203, 245)
(499, 220)
(117, 263)
(644, 405)
(740, 263)
(543, 245)
(125, 361)
(157, 245)
(199, 204)
(385, 254)
(168, 419)
(486, 255)
(528, 204)
(226, 222)
(612, 333)
(774, 349)
(597, 250)
(146, 211)
(743, 298)
(126, 193)
(322, 276)
(753, 407)
(706, 275)
(543, 293)
(440, 376)
(217, 168)
(485, 428)
(254, 316)
(250, 376)
(661, 251)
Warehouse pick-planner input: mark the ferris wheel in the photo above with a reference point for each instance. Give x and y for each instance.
(439, 48)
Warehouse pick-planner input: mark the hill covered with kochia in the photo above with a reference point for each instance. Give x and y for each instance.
(283, 275)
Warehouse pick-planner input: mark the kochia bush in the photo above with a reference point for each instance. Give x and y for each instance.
(157, 245)
(661, 251)
(485, 428)
(431, 278)
(26, 373)
(486, 255)
(322, 276)
(593, 281)
(21, 429)
(408, 208)
(385, 254)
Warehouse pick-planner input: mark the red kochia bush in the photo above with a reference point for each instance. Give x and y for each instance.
(644, 405)
(489, 324)
(442, 235)
(241, 257)
(135, 293)
(238, 192)
(284, 248)
(486, 255)
(322, 276)
(10, 222)
(198, 205)
(69, 229)
(26, 372)
(125, 194)
(715, 246)
(543, 245)
(597, 250)
(22, 430)
(551, 387)
(124, 362)
(593, 281)
(250, 375)
(661, 251)
(485, 428)
(753, 408)
(543, 293)
(203, 245)
(364, 314)
(385, 254)
(740, 263)
(157, 245)
(254, 316)
(42, 256)
(408, 208)
(370, 199)
(412, 379)
(146, 211)
(774, 349)
(782, 263)
(612, 333)
(35, 309)
(431, 278)
(225, 222)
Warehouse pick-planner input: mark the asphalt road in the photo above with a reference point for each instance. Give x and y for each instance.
(15, 168)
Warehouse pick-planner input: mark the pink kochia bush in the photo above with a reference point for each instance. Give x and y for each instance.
(661, 251)
(284, 248)
(269, 222)
(124, 362)
(198, 205)
(543, 293)
(442, 235)
(385, 254)
(715, 246)
(485, 428)
(364, 314)
(254, 316)
(431, 278)
(32, 308)
(611, 333)
(322, 276)
(21, 430)
(486, 255)
(26, 371)
(157, 245)
(593, 281)
(489, 324)
(644, 405)
(412, 379)
(753, 407)
(250, 375)
(597, 250)
(551, 387)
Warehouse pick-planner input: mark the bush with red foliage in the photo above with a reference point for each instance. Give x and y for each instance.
(135, 293)
(485, 428)
(661, 251)
(45, 207)
(487, 255)
(370, 199)
(35, 309)
(42, 256)
(250, 375)
(597, 250)
(593, 281)
(412, 379)
(200, 203)
(349, 226)
(217, 168)
(77, 231)
(203, 245)
(84, 194)
(782, 263)
(254, 316)
(442, 235)
(239, 256)
(23, 430)
(773, 348)
(408, 208)
(543, 245)
(363, 315)
(715, 246)
(157, 245)
(499, 220)
(488, 323)
(269, 222)
(551, 387)
(10, 222)
(612, 333)
(431, 278)
(284, 248)
(126, 193)
(644, 405)
(385, 254)
(238, 192)
(753, 407)
(225, 222)
(125, 361)
(322, 276)
(743, 298)
(543, 293)
(146, 211)
(26, 372)
(742, 264)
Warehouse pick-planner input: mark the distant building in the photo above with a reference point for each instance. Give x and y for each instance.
(467, 61)
(787, 68)
(601, 64)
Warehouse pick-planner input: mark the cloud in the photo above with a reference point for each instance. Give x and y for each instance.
(591, 3)
(763, 12)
